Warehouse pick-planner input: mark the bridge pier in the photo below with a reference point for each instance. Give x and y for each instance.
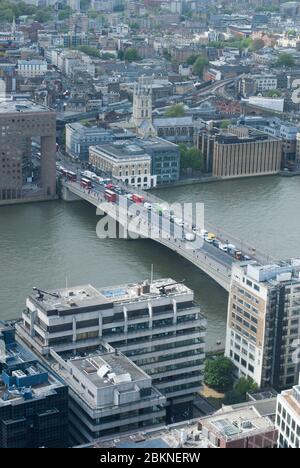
(68, 196)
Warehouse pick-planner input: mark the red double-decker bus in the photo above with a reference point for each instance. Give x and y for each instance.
(110, 196)
(137, 198)
(71, 176)
(86, 183)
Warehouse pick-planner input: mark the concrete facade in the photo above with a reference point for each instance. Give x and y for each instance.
(263, 323)
(19, 121)
(288, 418)
(163, 334)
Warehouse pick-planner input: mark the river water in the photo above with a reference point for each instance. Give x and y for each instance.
(49, 244)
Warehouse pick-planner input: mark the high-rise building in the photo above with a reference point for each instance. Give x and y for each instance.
(263, 322)
(20, 121)
(33, 399)
(288, 418)
(109, 395)
(158, 326)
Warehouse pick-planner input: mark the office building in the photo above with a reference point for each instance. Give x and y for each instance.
(32, 68)
(109, 395)
(33, 400)
(126, 161)
(244, 425)
(80, 137)
(158, 326)
(245, 152)
(238, 427)
(165, 159)
(263, 323)
(20, 121)
(288, 418)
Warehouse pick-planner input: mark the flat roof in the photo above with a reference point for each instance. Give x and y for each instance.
(88, 296)
(10, 107)
(108, 369)
(235, 423)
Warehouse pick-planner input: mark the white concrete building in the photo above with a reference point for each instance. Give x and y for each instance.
(32, 68)
(125, 161)
(288, 418)
(109, 394)
(158, 326)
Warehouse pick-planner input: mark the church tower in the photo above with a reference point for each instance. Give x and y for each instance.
(142, 107)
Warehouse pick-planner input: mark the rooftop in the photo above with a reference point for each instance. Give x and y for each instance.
(81, 297)
(22, 377)
(108, 369)
(234, 424)
(10, 107)
(173, 121)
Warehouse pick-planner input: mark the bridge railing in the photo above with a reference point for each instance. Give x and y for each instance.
(245, 247)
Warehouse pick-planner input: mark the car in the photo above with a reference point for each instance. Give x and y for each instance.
(148, 206)
(208, 240)
(246, 257)
(203, 233)
(216, 243)
(223, 247)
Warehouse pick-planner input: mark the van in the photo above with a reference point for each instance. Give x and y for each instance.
(190, 236)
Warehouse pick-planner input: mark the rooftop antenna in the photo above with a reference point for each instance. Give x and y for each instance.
(42, 293)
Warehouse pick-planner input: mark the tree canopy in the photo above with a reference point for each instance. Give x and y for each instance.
(177, 110)
(285, 60)
(239, 392)
(218, 373)
(131, 55)
(191, 158)
(199, 65)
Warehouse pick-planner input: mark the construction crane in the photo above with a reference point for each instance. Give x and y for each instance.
(41, 293)
(162, 289)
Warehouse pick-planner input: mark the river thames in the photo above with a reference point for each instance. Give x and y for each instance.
(49, 244)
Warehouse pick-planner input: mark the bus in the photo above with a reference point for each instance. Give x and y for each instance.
(137, 198)
(72, 176)
(110, 196)
(86, 183)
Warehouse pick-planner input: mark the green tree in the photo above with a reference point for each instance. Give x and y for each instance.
(191, 59)
(273, 93)
(121, 54)
(199, 66)
(134, 26)
(257, 44)
(88, 50)
(245, 385)
(177, 110)
(232, 397)
(131, 55)
(65, 13)
(218, 373)
(225, 124)
(285, 60)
